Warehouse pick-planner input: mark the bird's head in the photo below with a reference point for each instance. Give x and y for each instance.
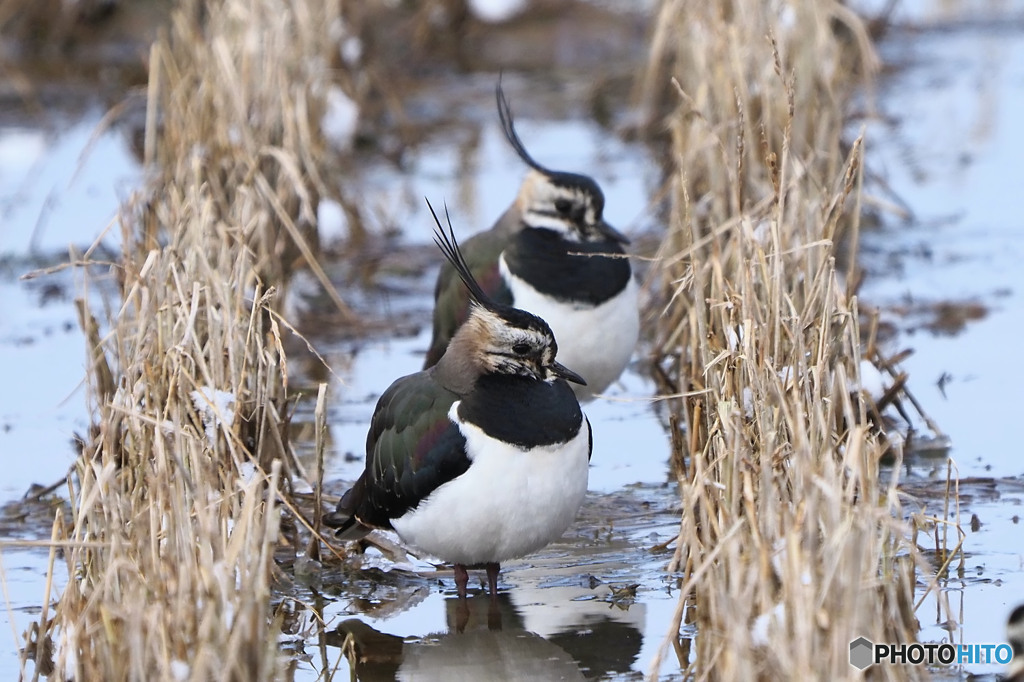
(495, 338)
(568, 203)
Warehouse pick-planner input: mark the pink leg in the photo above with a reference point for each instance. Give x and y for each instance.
(492, 579)
(461, 580)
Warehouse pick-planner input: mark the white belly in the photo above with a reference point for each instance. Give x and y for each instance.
(594, 341)
(510, 501)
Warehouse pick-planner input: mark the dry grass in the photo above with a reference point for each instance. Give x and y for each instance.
(791, 544)
(176, 499)
(49, 24)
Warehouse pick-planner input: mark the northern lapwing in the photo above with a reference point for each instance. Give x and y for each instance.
(482, 457)
(552, 254)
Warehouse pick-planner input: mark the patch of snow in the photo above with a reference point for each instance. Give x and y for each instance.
(181, 670)
(760, 627)
(216, 407)
(495, 11)
(872, 381)
(340, 118)
(748, 402)
(247, 472)
(351, 50)
(301, 486)
(331, 221)
(734, 337)
(67, 639)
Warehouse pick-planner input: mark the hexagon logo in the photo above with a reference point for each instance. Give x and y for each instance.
(861, 653)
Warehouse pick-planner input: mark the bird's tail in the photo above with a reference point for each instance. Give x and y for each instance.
(347, 528)
(343, 518)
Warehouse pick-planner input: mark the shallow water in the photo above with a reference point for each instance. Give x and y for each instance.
(948, 148)
(562, 592)
(945, 143)
(593, 596)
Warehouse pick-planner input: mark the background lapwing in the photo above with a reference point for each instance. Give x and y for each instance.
(551, 253)
(484, 456)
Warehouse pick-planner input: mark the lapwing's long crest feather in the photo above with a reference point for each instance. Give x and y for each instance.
(450, 248)
(509, 128)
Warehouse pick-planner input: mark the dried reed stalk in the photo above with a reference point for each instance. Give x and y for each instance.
(791, 544)
(175, 506)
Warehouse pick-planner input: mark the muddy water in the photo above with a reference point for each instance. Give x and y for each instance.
(595, 605)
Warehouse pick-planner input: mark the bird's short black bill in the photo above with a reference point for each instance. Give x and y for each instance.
(567, 374)
(613, 234)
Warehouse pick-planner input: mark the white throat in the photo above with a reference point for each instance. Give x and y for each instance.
(594, 341)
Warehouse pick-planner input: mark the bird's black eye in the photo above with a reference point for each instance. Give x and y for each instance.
(563, 206)
(521, 348)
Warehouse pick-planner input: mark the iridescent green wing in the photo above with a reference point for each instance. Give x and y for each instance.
(411, 449)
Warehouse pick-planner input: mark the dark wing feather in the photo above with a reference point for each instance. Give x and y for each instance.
(453, 254)
(411, 449)
(451, 298)
(470, 271)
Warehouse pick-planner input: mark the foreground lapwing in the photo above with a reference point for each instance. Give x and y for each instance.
(483, 457)
(551, 253)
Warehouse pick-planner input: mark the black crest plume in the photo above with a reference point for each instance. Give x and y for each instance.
(509, 128)
(450, 248)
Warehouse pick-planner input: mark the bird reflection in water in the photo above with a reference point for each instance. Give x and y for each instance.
(486, 640)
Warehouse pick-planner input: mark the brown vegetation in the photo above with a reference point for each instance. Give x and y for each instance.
(176, 499)
(791, 544)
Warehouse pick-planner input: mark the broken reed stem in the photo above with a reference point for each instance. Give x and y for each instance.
(794, 536)
(320, 442)
(175, 502)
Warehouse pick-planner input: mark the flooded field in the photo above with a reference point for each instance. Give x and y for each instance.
(943, 266)
(946, 273)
